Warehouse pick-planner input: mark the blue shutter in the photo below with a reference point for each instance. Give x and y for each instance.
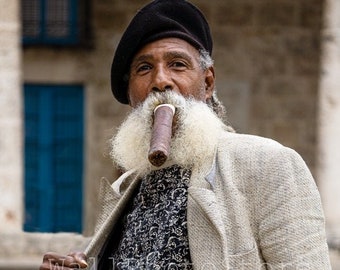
(53, 158)
(50, 22)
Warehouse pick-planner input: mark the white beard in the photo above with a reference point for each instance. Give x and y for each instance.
(193, 143)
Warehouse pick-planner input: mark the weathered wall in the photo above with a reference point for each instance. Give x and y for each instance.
(267, 55)
(10, 118)
(329, 122)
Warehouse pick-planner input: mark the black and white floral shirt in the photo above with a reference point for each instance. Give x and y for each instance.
(154, 234)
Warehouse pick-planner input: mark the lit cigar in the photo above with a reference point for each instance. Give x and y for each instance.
(161, 134)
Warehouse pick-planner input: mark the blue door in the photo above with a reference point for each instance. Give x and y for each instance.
(54, 132)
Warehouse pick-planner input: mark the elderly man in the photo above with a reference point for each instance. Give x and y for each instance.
(217, 199)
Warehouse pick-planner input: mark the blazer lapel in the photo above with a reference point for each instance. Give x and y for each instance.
(207, 239)
(113, 199)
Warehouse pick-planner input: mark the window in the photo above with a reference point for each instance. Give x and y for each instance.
(55, 22)
(53, 158)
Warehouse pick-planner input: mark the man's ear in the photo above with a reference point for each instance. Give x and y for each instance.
(209, 82)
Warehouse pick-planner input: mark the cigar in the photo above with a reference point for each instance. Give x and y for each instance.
(161, 134)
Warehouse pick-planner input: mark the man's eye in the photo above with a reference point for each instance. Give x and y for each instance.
(178, 64)
(144, 67)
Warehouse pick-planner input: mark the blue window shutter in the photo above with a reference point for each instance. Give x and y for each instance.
(53, 158)
(45, 160)
(51, 22)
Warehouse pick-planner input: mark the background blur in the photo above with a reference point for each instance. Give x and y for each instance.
(278, 70)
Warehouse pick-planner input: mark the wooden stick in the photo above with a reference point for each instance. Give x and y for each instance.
(161, 134)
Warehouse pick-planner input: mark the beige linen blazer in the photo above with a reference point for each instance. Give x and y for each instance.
(255, 207)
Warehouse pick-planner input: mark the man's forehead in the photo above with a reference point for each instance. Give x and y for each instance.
(164, 56)
(167, 48)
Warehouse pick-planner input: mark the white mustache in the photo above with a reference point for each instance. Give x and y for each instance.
(195, 131)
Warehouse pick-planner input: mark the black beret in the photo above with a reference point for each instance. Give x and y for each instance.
(157, 20)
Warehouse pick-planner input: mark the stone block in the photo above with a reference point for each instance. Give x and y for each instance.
(235, 95)
(235, 13)
(9, 11)
(277, 13)
(310, 13)
(115, 19)
(303, 51)
(267, 62)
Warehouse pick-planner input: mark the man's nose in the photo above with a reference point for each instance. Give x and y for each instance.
(162, 80)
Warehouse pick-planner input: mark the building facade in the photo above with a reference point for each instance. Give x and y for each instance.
(277, 64)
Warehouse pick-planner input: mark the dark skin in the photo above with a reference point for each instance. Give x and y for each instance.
(74, 260)
(169, 63)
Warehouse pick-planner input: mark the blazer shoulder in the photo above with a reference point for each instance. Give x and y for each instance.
(258, 153)
(239, 142)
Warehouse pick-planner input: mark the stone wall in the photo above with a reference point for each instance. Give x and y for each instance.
(267, 56)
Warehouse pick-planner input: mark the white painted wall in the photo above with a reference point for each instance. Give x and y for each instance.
(10, 118)
(329, 119)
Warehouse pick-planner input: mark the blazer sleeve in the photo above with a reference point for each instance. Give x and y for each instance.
(291, 227)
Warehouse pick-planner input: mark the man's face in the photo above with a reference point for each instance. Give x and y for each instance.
(169, 64)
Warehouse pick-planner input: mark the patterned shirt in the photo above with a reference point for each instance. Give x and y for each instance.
(154, 234)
